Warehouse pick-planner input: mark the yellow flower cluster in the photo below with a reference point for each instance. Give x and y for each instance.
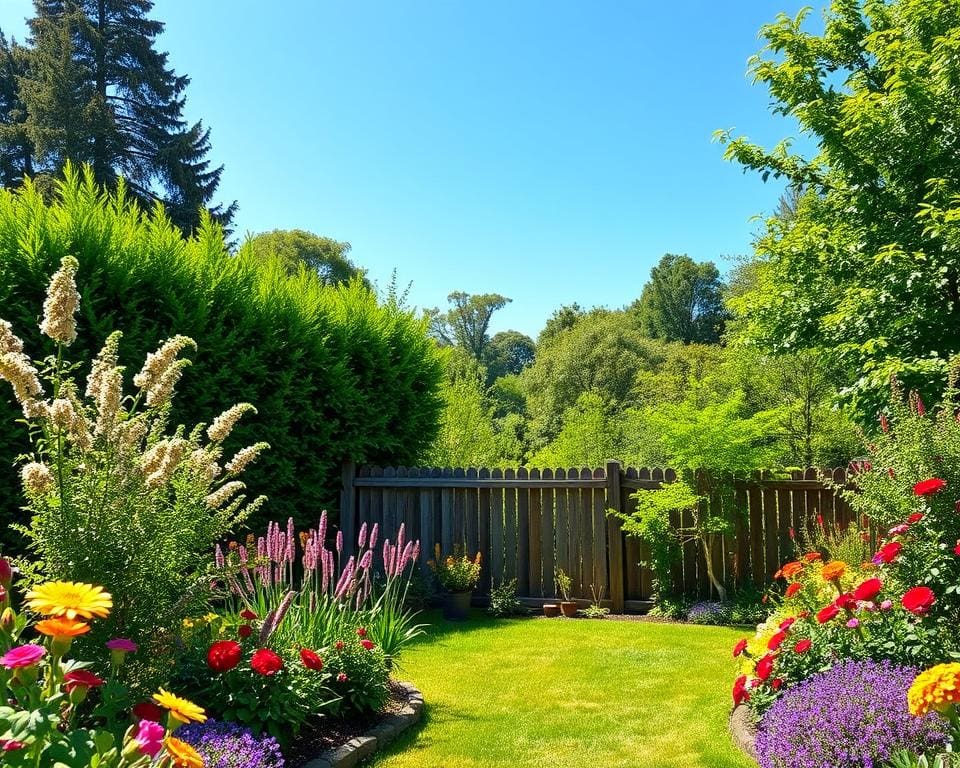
(937, 688)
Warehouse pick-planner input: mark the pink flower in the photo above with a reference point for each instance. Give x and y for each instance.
(342, 677)
(149, 738)
(23, 656)
(122, 644)
(853, 623)
(898, 530)
(886, 605)
(11, 745)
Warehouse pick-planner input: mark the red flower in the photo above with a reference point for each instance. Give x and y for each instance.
(311, 660)
(11, 745)
(740, 692)
(361, 632)
(6, 572)
(916, 517)
(244, 630)
(787, 622)
(339, 645)
(918, 600)
(224, 655)
(803, 646)
(342, 677)
(846, 601)
(81, 678)
(765, 666)
(265, 662)
(793, 589)
(812, 556)
(776, 683)
(929, 487)
(791, 569)
(248, 615)
(956, 549)
(368, 644)
(740, 647)
(868, 589)
(777, 640)
(887, 553)
(827, 612)
(147, 710)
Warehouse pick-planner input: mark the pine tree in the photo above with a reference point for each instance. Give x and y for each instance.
(98, 91)
(16, 150)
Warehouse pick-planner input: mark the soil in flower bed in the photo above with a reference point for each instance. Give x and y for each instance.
(325, 733)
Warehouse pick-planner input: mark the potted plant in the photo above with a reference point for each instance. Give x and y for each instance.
(458, 574)
(567, 606)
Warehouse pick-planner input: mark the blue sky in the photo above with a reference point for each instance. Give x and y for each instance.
(550, 151)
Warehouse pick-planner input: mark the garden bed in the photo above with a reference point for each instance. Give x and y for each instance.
(343, 742)
(744, 731)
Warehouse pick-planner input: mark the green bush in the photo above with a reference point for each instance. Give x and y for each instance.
(333, 373)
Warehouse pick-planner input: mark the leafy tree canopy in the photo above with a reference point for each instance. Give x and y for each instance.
(296, 247)
(508, 353)
(466, 322)
(865, 264)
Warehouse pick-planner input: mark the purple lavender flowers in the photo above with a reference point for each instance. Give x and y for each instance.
(227, 745)
(852, 716)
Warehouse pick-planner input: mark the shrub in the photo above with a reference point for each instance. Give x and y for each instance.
(504, 602)
(457, 572)
(851, 716)
(115, 498)
(709, 612)
(334, 374)
(358, 674)
(228, 745)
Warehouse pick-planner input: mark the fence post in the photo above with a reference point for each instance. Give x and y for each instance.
(348, 505)
(614, 538)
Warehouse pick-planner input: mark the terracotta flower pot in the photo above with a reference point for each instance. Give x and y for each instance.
(551, 610)
(569, 608)
(456, 605)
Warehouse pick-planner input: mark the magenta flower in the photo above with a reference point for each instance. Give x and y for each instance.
(149, 738)
(23, 656)
(122, 644)
(853, 623)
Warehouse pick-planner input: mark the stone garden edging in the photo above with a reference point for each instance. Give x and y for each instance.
(743, 731)
(377, 738)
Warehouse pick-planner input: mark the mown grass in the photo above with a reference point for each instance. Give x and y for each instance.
(568, 694)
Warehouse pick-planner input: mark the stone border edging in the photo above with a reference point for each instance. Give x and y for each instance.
(377, 738)
(743, 731)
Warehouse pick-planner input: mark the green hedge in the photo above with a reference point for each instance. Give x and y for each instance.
(333, 373)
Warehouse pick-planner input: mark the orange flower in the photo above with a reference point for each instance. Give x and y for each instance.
(61, 627)
(833, 570)
(182, 754)
(811, 556)
(791, 569)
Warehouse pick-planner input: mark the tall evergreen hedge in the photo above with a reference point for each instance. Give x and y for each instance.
(333, 373)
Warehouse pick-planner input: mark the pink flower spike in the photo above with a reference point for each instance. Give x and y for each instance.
(339, 541)
(23, 656)
(149, 738)
(218, 557)
(373, 535)
(322, 528)
(122, 644)
(362, 538)
(401, 536)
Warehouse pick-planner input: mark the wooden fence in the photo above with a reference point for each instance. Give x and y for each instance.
(528, 523)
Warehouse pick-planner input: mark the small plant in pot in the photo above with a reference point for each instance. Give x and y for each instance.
(458, 574)
(567, 606)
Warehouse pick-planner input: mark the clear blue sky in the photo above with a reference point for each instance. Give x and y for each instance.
(550, 151)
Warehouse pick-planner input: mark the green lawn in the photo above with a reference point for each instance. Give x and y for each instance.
(568, 694)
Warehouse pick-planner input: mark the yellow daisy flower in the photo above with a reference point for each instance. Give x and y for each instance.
(182, 754)
(181, 709)
(937, 688)
(70, 599)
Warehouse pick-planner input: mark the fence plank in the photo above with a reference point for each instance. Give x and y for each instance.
(510, 527)
(771, 553)
(562, 532)
(446, 516)
(614, 538)
(535, 551)
(573, 531)
(523, 535)
(472, 511)
(757, 562)
(427, 532)
(600, 567)
(586, 533)
(483, 523)
(496, 530)
(548, 551)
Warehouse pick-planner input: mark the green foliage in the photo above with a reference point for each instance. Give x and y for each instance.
(334, 374)
(359, 676)
(849, 544)
(589, 436)
(564, 582)
(465, 324)
(467, 437)
(508, 353)
(864, 265)
(682, 301)
(504, 602)
(96, 90)
(295, 248)
(457, 572)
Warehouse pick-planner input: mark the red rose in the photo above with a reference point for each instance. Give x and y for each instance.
(803, 646)
(765, 666)
(248, 615)
(361, 632)
(793, 589)
(777, 640)
(916, 517)
(918, 600)
(311, 660)
(828, 612)
(147, 710)
(265, 662)
(868, 589)
(81, 678)
(929, 487)
(224, 655)
(740, 692)
(244, 630)
(368, 644)
(740, 647)
(846, 601)
(887, 553)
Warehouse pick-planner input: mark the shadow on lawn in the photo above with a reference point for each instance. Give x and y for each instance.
(438, 628)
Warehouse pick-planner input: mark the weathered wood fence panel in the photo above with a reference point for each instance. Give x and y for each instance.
(527, 524)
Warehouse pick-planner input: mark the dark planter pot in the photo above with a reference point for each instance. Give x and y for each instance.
(456, 605)
(551, 610)
(569, 609)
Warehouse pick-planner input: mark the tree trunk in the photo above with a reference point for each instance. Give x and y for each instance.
(706, 540)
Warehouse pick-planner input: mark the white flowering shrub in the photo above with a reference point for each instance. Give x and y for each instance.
(116, 497)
